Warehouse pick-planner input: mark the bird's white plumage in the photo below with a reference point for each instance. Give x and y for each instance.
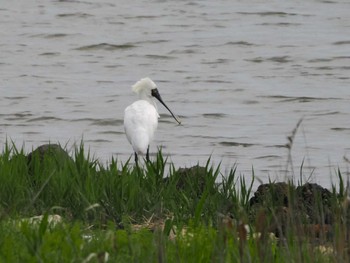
(141, 117)
(140, 123)
(144, 86)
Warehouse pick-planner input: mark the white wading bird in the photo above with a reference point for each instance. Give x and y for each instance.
(141, 117)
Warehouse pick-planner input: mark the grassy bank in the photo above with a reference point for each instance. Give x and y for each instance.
(126, 213)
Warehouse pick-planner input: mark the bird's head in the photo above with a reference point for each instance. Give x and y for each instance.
(144, 87)
(147, 89)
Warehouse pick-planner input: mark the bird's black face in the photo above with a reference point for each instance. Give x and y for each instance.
(156, 94)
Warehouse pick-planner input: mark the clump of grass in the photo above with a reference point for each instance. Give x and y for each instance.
(201, 243)
(157, 212)
(79, 188)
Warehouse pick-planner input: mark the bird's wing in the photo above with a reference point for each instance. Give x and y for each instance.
(140, 123)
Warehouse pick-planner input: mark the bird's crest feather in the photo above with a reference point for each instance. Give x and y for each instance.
(143, 84)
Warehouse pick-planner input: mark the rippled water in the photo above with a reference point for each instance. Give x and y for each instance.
(241, 74)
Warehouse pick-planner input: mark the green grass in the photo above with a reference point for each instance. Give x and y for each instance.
(132, 214)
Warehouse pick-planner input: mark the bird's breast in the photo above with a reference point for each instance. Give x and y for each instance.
(141, 115)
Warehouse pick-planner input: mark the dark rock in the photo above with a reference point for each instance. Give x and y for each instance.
(315, 201)
(271, 194)
(269, 207)
(53, 151)
(196, 174)
(192, 180)
(282, 205)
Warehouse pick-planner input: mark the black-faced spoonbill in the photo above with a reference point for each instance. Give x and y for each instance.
(141, 117)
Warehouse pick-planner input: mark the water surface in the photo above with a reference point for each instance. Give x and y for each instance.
(240, 74)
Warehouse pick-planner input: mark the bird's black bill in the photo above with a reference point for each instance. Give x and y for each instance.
(156, 94)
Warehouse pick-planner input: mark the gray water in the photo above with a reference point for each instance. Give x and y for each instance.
(240, 74)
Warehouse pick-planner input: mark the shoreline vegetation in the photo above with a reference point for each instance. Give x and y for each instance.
(60, 208)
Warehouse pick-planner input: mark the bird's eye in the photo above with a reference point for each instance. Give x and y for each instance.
(154, 92)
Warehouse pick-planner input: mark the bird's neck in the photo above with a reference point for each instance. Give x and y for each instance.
(149, 99)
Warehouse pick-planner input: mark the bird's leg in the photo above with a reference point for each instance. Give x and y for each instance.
(136, 158)
(147, 154)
